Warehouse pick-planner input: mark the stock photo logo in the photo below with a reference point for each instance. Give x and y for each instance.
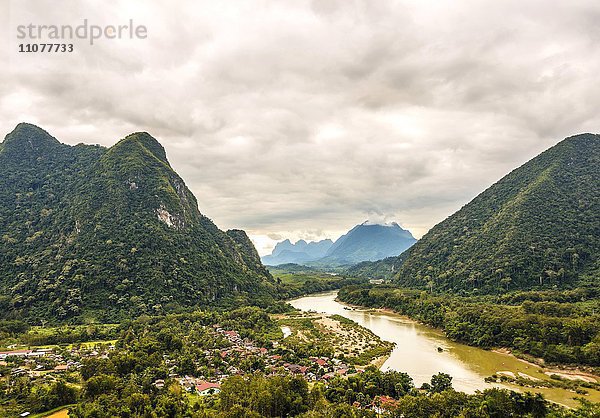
(59, 38)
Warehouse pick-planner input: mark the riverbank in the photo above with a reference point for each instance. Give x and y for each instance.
(333, 336)
(62, 413)
(416, 351)
(565, 371)
(560, 333)
(380, 361)
(547, 376)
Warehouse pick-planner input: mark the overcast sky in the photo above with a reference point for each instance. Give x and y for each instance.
(299, 119)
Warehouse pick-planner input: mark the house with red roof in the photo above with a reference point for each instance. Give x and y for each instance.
(207, 388)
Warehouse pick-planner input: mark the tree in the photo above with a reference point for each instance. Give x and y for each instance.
(506, 282)
(441, 382)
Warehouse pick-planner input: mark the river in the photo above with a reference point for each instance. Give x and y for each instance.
(416, 351)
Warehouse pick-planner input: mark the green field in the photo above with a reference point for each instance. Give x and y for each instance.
(294, 280)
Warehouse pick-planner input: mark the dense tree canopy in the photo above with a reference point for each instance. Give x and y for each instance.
(103, 234)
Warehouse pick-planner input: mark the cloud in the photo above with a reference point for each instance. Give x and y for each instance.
(301, 119)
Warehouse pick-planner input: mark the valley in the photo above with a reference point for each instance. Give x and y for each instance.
(119, 298)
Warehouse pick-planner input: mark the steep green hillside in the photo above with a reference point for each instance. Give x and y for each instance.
(380, 269)
(102, 233)
(537, 227)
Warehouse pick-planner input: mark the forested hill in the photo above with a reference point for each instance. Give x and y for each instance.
(100, 233)
(539, 226)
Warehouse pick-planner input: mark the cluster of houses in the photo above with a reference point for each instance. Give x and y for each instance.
(320, 368)
(42, 361)
(312, 368)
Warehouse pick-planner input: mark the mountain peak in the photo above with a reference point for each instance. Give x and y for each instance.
(142, 141)
(298, 253)
(580, 143)
(370, 241)
(24, 128)
(29, 136)
(582, 138)
(373, 223)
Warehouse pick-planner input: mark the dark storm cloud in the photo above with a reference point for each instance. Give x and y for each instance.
(301, 119)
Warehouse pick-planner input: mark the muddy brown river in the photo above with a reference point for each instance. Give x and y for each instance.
(416, 351)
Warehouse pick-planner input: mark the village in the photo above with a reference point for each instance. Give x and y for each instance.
(48, 363)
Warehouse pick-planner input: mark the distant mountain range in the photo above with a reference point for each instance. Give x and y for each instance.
(99, 233)
(365, 242)
(299, 253)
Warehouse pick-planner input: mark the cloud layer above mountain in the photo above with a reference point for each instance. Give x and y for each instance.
(301, 119)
